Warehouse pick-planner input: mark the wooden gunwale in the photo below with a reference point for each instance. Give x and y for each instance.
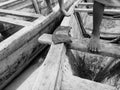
(9, 2)
(19, 13)
(15, 21)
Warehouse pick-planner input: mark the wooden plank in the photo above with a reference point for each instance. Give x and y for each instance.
(15, 21)
(19, 13)
(91, 10)
(85, 4)
(7, 2)
(26, 52)
(14, 5)
(83, 84)
(107, 49)
(49, 71)
(25, 4)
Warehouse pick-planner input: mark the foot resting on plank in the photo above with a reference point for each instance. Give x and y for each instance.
(94, 44)
(98, 10)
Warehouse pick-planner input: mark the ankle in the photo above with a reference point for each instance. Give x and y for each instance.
(95, 36)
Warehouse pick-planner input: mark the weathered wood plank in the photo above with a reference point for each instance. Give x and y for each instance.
(7, 2)
(48, 72)
(25, 55)
(10, 5)
(19, 13)
(85, 4)
(76, 83)
(14, 5)
(24, 4)
(107, 49)
(14, 21)
(91, 10)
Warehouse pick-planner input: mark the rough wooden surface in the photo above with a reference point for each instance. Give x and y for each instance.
(18, 13)
(14, 5)
(48, 72)
(19, 59)
(15, 21)
(7, 2)
(107, 49)
(76, 83)
(91, 10)
(81, 4)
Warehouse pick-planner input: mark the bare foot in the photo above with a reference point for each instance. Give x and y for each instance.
(65, 13)
(93, 44)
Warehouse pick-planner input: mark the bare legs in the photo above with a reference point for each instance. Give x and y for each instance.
(98, 10)
(61, 4)
(49, 5)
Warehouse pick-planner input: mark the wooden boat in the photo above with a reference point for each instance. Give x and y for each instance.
(21, 46)
(68, 65)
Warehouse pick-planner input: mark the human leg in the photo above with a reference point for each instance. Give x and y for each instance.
(98, 10)
(49, 5)
(61, 4)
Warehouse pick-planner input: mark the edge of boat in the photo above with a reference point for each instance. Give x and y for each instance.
(22, 46)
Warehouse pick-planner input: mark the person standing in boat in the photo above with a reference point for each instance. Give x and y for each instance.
(61, 7)
(98, 10)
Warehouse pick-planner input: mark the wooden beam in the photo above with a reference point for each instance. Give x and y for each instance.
(107, 49)
(84, 4)
(7, 2)
(15, 21)
(49, 71)
(83, 84)
(91, 10)
(19, 13)
(25, 4)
